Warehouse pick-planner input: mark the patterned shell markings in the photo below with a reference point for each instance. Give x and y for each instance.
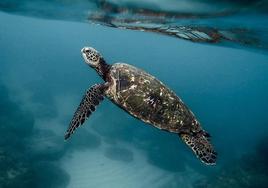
(147, 99)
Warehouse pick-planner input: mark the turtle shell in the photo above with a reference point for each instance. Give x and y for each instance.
(148, 99)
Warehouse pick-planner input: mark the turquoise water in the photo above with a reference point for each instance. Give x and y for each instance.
(43, 77)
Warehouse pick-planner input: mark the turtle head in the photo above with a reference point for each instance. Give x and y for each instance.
(91, 56)
(94, 59)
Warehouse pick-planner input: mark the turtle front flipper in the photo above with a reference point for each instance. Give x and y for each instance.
(201, 146)
(91, 99)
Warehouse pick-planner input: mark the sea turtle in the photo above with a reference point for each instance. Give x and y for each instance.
(144, 97)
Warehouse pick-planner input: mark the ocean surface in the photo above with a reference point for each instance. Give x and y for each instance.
(213, 54)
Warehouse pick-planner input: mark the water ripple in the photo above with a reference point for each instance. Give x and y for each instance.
(223, 22)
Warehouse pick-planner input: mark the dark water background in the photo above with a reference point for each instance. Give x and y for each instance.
(42, 79)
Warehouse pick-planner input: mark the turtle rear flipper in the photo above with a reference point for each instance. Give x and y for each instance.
(201, 146)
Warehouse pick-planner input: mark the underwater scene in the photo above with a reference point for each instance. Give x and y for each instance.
(212, 53)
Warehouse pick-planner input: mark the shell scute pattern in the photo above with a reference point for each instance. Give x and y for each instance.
(147, 99)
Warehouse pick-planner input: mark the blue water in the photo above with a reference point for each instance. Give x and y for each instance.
(43, 77)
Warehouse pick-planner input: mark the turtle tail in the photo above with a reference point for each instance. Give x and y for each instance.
(199, 143)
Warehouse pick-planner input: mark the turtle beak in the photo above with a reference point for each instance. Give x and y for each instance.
(84, 55)
(84, 50)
